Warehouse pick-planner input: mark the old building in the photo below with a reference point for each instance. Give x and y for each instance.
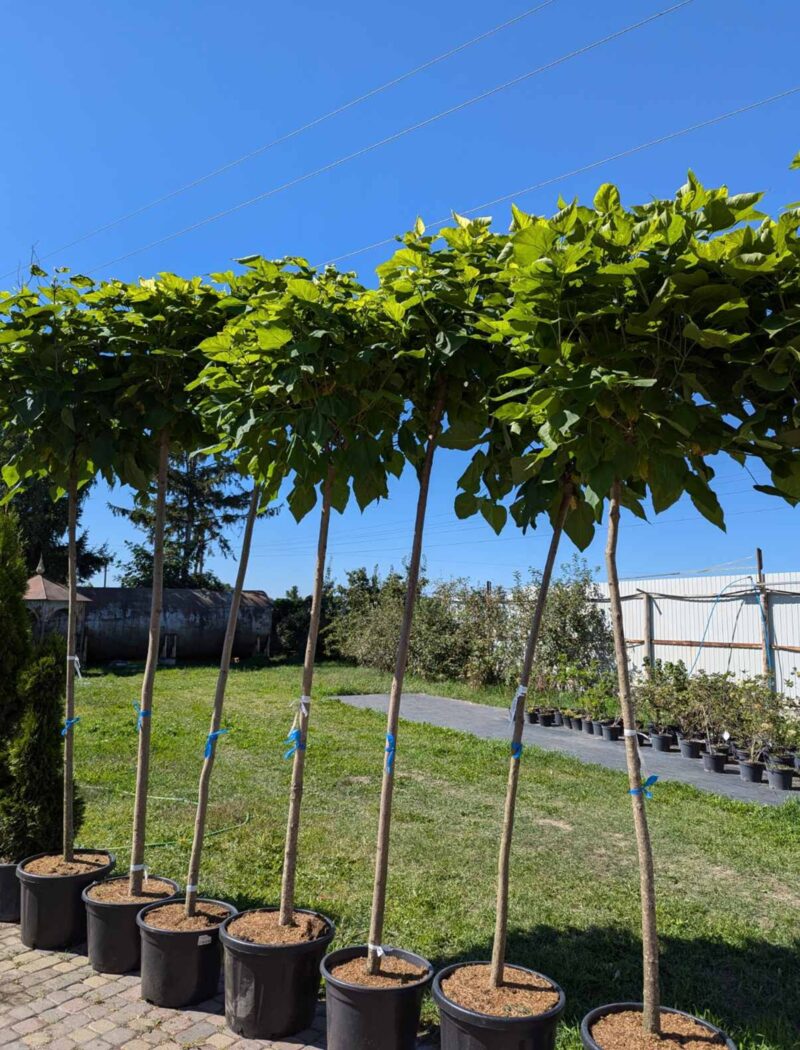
(47, 603)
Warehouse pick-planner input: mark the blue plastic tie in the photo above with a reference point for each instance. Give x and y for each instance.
(645, 788)
(295, 739)
(391, 747)
(516, 750)
(140, 714)
(70, 722)
(209, 751)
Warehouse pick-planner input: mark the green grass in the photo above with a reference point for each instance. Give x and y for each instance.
(728, 873)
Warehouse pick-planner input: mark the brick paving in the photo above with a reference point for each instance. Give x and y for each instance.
(55, 1000)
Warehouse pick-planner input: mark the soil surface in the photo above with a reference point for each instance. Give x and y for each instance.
(623, 1031)
(173, 917)
(393, 972)
(520, 995)
(263, 927)
(115, 891)
(54, 864)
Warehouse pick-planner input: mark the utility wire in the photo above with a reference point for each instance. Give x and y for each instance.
(295, 132)
(561, 60)
(587, 167)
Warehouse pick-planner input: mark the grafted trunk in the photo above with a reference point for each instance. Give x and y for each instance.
(401, 659)
(68, 817)
(651, 992)
(150, 667)
(219, 701)
(299, 757)
(501, 915)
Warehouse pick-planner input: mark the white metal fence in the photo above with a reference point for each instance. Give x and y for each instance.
(668, 619)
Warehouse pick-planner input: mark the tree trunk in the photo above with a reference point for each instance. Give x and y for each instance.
(219, 700)
(518, 709)
(401, 659)
(146, 701)
(299, 758)
(68, 820)
(652, 996)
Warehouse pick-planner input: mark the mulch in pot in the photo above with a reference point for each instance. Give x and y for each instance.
(55, 865)
(263, 927)
(173, 917)
(115, 891)
(623, 1031)
(393, 972)
(521, 994)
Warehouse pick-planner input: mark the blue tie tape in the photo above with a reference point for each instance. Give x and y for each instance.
(391, 747)
(140, 714)
(209, 751)
(516, 751)
(645, 788)
(70, 722)
(295, 739)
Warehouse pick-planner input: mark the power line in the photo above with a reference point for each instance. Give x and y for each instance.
(621, 155)
(295, 132)
(578, 52)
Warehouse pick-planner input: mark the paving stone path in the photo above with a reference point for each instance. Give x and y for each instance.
(56, 1001)
(491, 723)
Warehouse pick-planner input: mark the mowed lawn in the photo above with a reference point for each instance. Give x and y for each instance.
(728, 873)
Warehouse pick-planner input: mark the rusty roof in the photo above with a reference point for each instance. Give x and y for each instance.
(41, 589)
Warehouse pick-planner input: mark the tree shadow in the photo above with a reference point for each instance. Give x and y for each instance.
(751, 989)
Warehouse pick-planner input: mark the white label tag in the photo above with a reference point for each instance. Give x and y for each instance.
(203, 939)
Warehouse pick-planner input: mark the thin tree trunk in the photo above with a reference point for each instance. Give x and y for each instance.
(652, 996)
(401, 659)
(501, 915)
(68, 821)
(219, 700)
(299, 758)
(150, 667)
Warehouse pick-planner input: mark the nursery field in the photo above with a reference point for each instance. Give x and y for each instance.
(728, 873)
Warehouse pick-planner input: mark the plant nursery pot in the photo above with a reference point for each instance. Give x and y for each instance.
(577, 723)
(662, 741)
(52, 913)
(271, 989)
(714, 761)
(179, 967)
(751, 772)
(112, 936)
(612, 733)
(690, 748)
(780, 779)
(463, 1029)
(566, 721)
(361, 1018)
(9, 893)
(588, 726)
(533, 717)
(592, 1018)
(558, 719)
(597, 727)
(797, 762)
(545, 718)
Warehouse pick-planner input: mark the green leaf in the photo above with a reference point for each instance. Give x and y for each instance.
(795, 165)
(465, 505)
(580, 525)
(495, 514)
(607, 198)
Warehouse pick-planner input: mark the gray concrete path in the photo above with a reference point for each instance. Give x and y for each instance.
(491, 723)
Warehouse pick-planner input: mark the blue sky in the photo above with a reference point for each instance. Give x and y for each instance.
(109, 106)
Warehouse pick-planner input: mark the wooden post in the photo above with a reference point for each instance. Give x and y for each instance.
(763, 599)
(649, 646)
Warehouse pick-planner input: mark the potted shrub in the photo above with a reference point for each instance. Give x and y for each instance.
(601, 705)
(657, 699)
(714, 696)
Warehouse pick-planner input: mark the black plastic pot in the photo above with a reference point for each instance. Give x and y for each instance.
(714, 761)
(592, 1018)
(558, 720)
(463, 1029)
(751, 772)
(797, 761)
(690, 748)
(566, 720)
(112, 936)
(577, 723)
(9, 893)
(588, 726)
(780, 779)
(545, 718)
(533, 717)
(179, 967)
(271, 989)
(597, 727)
(52, 915)
(662, 741)
(612, 733)
(362, 1018)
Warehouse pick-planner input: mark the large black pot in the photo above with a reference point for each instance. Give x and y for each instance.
(9, 893)
(597, 727)
(588, 726)
(714, 761)
(617, 1008)
(612, 732)
(545, 718)
(52, 915)
(463, 1029)
(566, 721)
(662, 741)
(271, 989)
(577, 723)
(112, 936)
(780, 779)
(751, 772)
(533, 717)
(690, 748)
(559, 721)
(179, 967)
(361, 1018)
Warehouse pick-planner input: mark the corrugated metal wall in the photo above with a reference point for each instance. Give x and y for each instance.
(721, 610)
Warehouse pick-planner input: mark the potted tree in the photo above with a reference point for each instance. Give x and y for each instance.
(714, 698)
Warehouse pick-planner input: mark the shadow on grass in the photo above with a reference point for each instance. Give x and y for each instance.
(751, 989)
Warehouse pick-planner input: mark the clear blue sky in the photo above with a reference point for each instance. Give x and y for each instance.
(109, 106)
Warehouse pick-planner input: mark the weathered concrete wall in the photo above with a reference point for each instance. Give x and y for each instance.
(118, 619)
